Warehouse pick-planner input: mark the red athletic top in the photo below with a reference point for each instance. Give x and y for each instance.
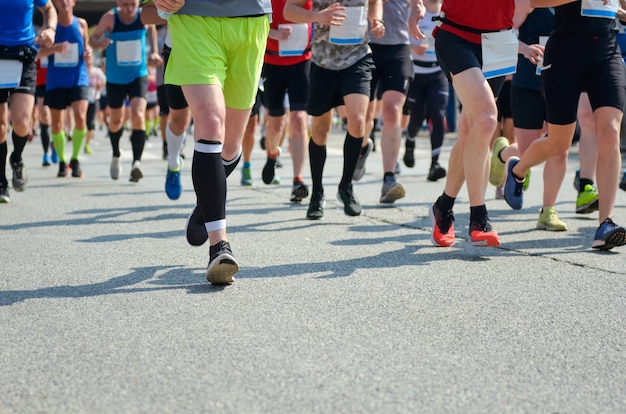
(482, 15)
(271, 54)
(41, 74)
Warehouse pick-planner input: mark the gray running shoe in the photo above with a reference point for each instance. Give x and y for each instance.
(116, 167)
(392, 191)
(359, 171)
(135, 173)
(19, 176)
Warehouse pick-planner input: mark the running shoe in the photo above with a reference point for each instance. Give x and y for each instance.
(116, 167)
(482, 233)
(173, 184)
(76, 170)
(135, 173)
(20, 179)
(549, 220)
(513, 189)
(436, 172)
(391, 191)
(46, 160)
(442, 234)
(269, 171)
(195, 230)
(587, 200)
(609, 235)
(62, 169)
(54, 156)
(577, 180)
(4, 194)
(409, 153)
(316, 206)
(222, 264)
(299, 191)
(88, 149)
(246, 177)
(622, 184)
(359, 171)
(497, 170)
(500, 192)
(351, 205)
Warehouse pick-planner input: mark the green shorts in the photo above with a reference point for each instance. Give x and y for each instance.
(225, 51)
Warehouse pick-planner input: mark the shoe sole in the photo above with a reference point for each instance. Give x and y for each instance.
(5, 200)
(498, 169)
(588, 208)
(395, 193)
(549, 228)
(299, 194)
(489, 242)
(135, 175)
(222, 269)
(616, 239)
(195, 237)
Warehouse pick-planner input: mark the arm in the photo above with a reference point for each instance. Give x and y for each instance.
(332, 15)
(84, 30)
(46, 36)
(416, 14)
(522, 10)
(155, 57)
(534, 53)
(97, 40)
(149, 14)
(375, 16)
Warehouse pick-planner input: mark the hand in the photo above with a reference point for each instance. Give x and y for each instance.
(534, 53)
(332, 15)
(46, 37)
(420, 49)
(282, 33)
(378, 28)
(155, 59)
(169, 6)
(417, 14)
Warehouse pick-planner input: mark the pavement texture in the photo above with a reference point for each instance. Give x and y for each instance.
(104, 307)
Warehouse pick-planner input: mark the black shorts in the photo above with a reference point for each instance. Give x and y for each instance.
(393, 69)
(328, 87)
(61, 98)
(164, 107)
(528, 108)
(456, 55)
(27, 82)
(175, 96)
(504, 101)
(587, 65)
(40, 91)
(103, 102)
(278, 80)
(117, 93)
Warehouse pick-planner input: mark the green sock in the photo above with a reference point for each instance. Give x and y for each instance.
(78, 136)
(58, 140)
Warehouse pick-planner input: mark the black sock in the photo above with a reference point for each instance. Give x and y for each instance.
(209, 182)
(115, 141)
(445, 202)
(138, 140)
(583, 183)
(477, 212)
(351, 150)
(3, 163)
(317, 159)
(45, 137)
(229, 166)
(18, 146)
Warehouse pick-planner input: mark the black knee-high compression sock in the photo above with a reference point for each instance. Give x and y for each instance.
(317, 159)
(44, 132)
(209, 182)
(229, 166)
(18, 146)
(3, 163)
(138, 140)
(115, 141)
(351, 151)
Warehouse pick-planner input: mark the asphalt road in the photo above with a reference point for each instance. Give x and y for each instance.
(104, 308)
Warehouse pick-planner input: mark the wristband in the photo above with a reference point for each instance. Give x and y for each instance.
(51, 28)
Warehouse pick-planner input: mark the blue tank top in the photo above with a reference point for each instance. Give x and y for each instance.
(16, 22)
(538, 23)
(126, 56)
(68, 70)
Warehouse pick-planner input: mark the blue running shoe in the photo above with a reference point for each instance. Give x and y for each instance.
(55, 157)
(513, 189)
(46, 160)
(609, 235)
(173, 186)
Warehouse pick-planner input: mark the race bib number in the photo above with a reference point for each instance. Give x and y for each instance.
(10, 73)
(499, 53)
(353, 29)
(129, 52)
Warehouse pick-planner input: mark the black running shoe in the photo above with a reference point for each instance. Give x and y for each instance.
(20, 179)
(222, 264)
(436, 172)
(409, 153)
(195, 229)
(76, 171)
(316, 206)
(299, 191)
(62, 169)
(269, 170)
(4, 194)
(351, 205)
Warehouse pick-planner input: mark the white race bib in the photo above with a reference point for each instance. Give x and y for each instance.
(129, 52)
(499, 53)
(542, 41)
(297, 42)
(68, 59)
(10, 73)
(353, 29)
(597, 8)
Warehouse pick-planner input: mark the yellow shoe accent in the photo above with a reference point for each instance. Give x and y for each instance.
(549, 220)
(497, 171)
